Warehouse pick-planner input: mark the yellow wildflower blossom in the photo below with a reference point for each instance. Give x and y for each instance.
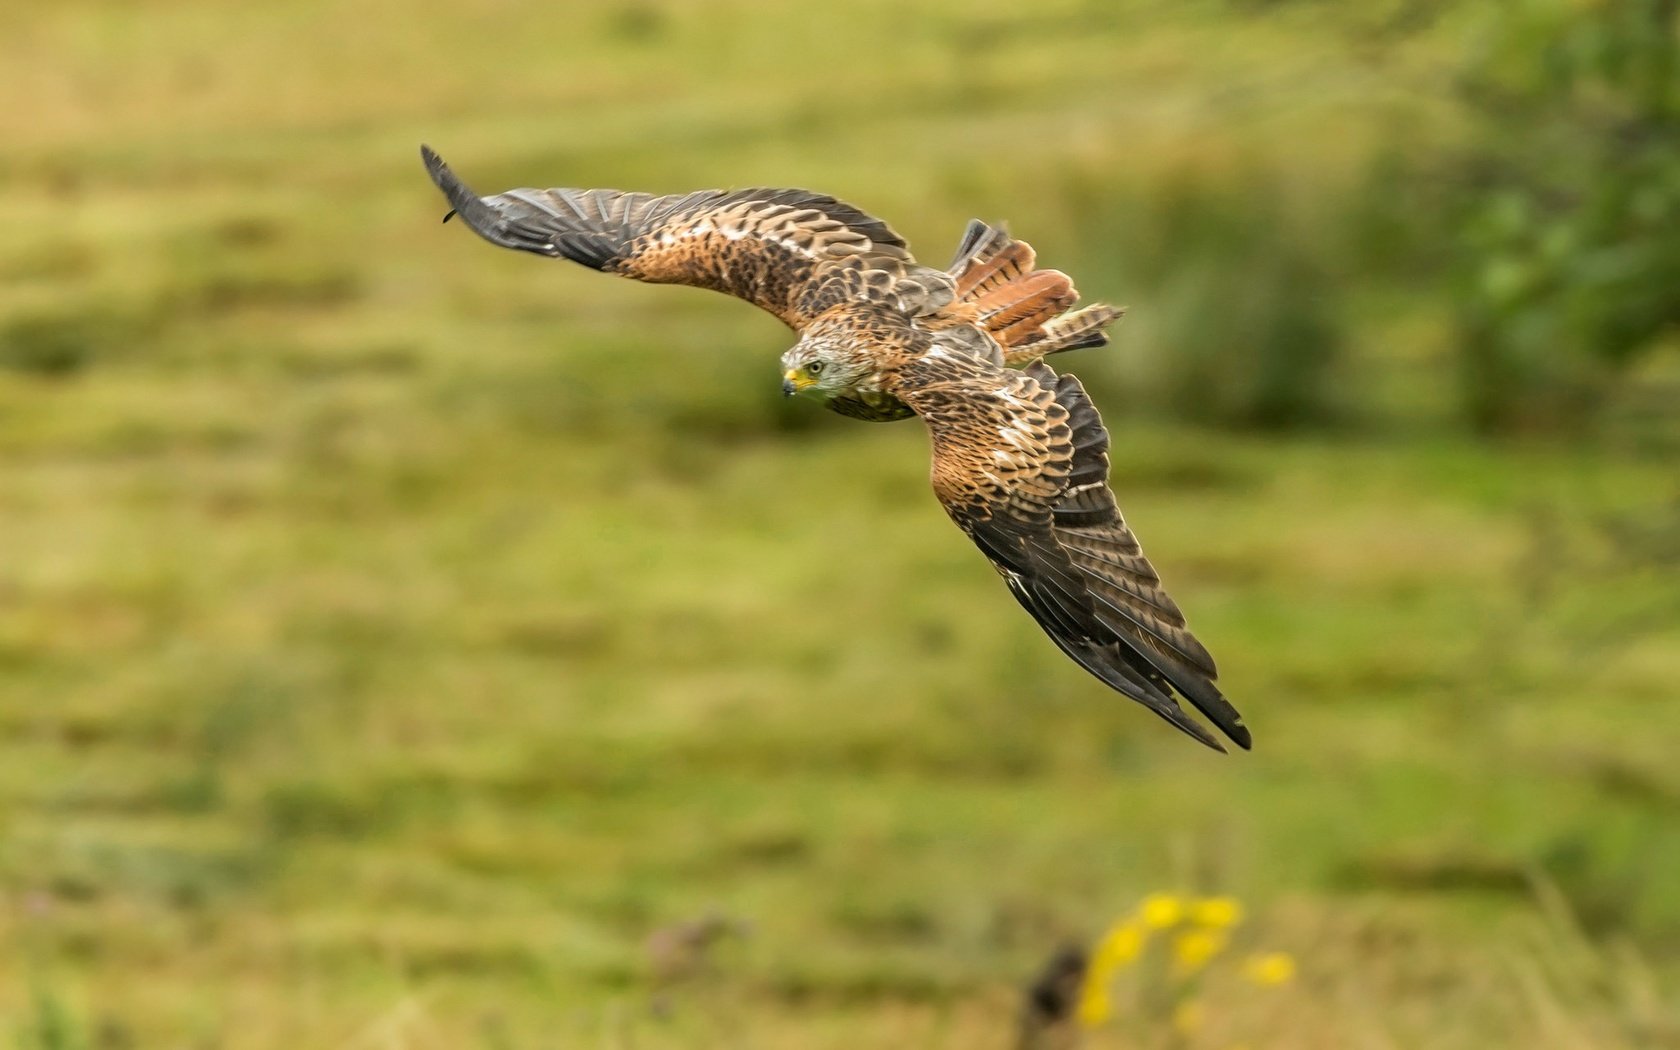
(1121, 945)
(1193, 949)
(1095, 1006)
(1216, 912)
(1161, 910)
(1270, 969)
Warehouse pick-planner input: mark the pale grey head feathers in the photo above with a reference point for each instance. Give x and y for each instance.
(825, 368)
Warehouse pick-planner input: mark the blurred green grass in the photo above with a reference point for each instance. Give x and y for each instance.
(394, 632)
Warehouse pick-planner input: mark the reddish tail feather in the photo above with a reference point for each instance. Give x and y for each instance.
(1024, 308)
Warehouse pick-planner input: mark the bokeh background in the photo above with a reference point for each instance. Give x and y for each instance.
(405, 643)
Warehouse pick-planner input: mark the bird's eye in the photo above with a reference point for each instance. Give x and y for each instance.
(815, 368)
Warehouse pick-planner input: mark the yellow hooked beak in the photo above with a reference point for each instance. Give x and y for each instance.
(796, 382)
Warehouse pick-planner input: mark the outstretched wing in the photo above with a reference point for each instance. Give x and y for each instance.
(1020, 461)
(792, 252)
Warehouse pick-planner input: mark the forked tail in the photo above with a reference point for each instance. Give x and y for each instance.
(1025, 309)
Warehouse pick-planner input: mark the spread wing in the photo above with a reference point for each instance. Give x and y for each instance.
(1020, 461)
(792, 252)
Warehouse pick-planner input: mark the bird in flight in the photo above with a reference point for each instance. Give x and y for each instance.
(1020, 456)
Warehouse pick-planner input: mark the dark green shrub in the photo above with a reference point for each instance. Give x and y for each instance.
(1567, 210)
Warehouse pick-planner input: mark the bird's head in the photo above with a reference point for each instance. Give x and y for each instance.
(824, 369)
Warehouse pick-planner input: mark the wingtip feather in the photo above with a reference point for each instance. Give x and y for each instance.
(485, 220)
(446, 180)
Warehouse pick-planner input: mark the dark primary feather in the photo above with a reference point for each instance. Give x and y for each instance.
(1021, 465)
(1088, 525)
(488, 222)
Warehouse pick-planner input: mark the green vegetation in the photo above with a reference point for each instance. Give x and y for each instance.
(396, 633)
(1568, 203)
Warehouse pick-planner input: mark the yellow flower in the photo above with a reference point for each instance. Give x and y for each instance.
(1187, 1017)
(1120, 945)
(1095, 1006)
(1216, 912)
(1193, 949)
(1161, 910)
(1270, 969)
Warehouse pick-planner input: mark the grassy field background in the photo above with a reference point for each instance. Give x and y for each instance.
(395, 633)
